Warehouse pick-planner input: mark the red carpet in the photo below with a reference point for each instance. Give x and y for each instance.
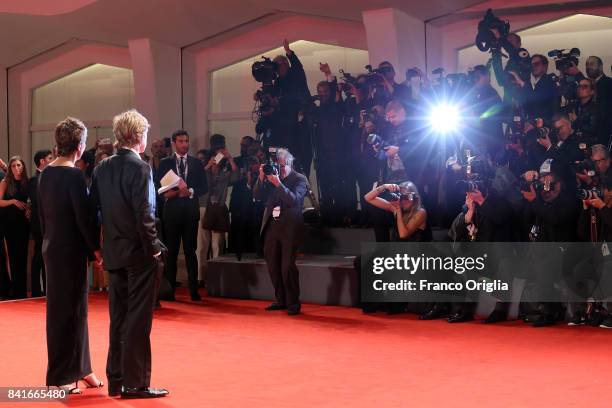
(231, 353)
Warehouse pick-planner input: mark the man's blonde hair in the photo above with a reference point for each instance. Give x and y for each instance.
(129, 128)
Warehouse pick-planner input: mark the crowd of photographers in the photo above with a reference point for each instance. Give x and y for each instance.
(531, 164)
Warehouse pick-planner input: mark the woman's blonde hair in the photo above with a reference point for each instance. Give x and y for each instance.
(417, 203)
(129, 128)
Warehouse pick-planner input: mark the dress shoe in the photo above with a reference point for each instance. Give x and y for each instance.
(460, 317)
(294, 310)
(143, 392)
(275, 306)
(496, 316)
(195, 297)
(435, 312)
(544, 320)
(114, 389)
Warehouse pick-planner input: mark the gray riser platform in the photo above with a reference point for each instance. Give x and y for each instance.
(327, 280)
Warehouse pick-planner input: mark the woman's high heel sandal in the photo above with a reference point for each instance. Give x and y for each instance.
(89, 384)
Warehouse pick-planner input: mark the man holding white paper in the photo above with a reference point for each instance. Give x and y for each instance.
(182, 181)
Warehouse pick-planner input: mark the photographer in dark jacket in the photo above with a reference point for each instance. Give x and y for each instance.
(325, 125)
(282, 228)
(564, 148)
(594, 69)
(552, 213)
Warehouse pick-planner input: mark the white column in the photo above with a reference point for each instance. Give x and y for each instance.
(397, 37)
(157, 85)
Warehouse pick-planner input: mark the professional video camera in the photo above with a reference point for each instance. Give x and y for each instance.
(265, 72)
(564, 58)
(485, 40)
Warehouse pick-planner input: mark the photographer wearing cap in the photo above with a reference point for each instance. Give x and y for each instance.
(283, 190)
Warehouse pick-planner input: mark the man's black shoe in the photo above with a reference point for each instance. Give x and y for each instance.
(294, 310)
(275, 306)
(496, 316)
(195, 296)
(607, 323)
(143, 392)
(114, 389)
(435, 312)
(460, 318)
(544, 320)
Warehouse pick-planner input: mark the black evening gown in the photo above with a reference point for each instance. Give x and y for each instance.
(68, 238)
(17, 236)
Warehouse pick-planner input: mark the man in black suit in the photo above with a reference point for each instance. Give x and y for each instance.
(282, 229)
(540, 95)
(594, 69)
(122, 191)
(182, 211)
(41, 159)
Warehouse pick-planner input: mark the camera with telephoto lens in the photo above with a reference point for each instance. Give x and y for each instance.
(470, 186)
(485, 40)
(412, 73)
(589, 194)
(377, 142)
(586, 167)
(537, 185)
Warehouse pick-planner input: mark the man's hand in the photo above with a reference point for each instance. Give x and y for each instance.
(477, 197)
(529, 195)
(545, 141)
(286, 46)
(596, 202)
(391, 151)
(183, 189)
(584, 177)
(262, 175)
(572, 116)
(3, 165)
(324, 68)
(273, 179)
(496, 33)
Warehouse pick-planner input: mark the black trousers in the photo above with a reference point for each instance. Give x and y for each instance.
(17, 240)
(37, 269)
(5, 279)
(280, 252)
(131, 301)
(181, 222)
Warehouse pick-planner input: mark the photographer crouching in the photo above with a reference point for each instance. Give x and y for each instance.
(403, 201)
(283, 190)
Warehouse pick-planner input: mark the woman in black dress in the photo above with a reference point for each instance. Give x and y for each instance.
(15, 220)
(69, 237)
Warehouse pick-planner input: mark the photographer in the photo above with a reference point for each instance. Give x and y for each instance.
(594, 69)
(282, 227)
(584, 114)
(552, 212)
(570, 76)
(562, 146)
(539, 95)
(486, 105)
(325, 128)
(410, 223)
(486, 217)
(594, 171)
(395, 90)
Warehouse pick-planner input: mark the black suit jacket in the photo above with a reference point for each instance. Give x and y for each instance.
(32, 193)
(196, 179)
(543, 100)
(123, 193)
(290, 196)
